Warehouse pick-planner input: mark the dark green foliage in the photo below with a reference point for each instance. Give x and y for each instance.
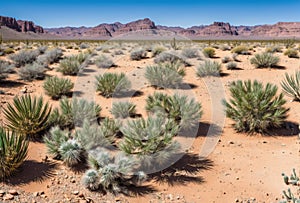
(291, 85)
(110, 84)
(56, 87)
(255, 107)
(184, 111)
(27, 115)
(13, 151)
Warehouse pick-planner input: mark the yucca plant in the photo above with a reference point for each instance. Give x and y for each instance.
(71, 152)
(73, 112)
(56, 87)
(112, 173)
(185, 112)
(291, 85)
(166, 75)
(150, 140)
(27, 115)
(209, 68)
(54, 141)
(110, 84)
(13, 151)
(255, 107)
(123, 109)
(69, 66)
(264, 60)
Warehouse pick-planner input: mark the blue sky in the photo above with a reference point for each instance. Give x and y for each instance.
(185, 13)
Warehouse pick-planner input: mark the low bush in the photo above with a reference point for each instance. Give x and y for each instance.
(241, 49)
(32, 71)
(291, 53)
(291, 85)
(209, 52)
(138, 55)
(209, 68)
(123, 109)
(104, 62)
(56, 87)
(24, 57)
(264, 60)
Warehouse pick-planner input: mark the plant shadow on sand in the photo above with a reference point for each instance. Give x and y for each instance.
(32, 171)
(203, 129)
(184, 171)
(287, 129)
(11, 84)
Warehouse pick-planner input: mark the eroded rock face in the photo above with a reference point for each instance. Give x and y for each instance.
(20, 25)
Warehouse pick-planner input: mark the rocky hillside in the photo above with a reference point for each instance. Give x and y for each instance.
(20, 25)
(107, 31)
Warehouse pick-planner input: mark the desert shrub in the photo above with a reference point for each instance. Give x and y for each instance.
(264, 60)
(138, 55)
(234, 57)
(157, 50)
(170, 57)
(13, 151)
(273, 49)
(73, 64)
(289, 43)
(190, 53)
(110, 84)
(209, 68)
(123, 109)
(56, 87)
(241, 49)
(255, 107)
(185, 112)
(226, 59)
(166, 75)
(50, 56)
(5, 69)
(151, 140)
(225, 47)
(73, 112)
(111, 173)
(291, 85)
(32, 71)
(54, 140)
(83, 46)
(104, 62)
(292, 180)
(291, 53)
(118, 52)
(42, 49)
(71, 152)
(24, 57)
(231, 65)
(27, 115)
(209, 52)
(8, 51)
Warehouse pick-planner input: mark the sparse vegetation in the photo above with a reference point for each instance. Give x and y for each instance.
(56, 87)
(291, 85)
(240, 50)
(264, 60)
(209, 68)
(123, 109)
(231, 65)
(138, 54)
(73, 64)
(157, 50)
(226, 59)
(104, 62)
(190, 53)
(209, 52)
(32, 71)
(5, 69)
(255, 107)
(293, 180)
(170, 57)
(24, 57)
(291, 53)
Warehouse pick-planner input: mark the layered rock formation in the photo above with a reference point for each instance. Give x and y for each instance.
(20, 25)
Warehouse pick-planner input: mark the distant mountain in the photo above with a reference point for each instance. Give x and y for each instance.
(218, 30)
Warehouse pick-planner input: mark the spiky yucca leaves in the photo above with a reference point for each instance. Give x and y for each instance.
(123, 109)
(185, 112)
(255, 107)
(73, 112)
(166, 75)
(13, 151)
(112, 173)
(54, 141)
(71, 152)
(56, 87)
(91, 136)
(109, 84)
(27, 115)
(150, 140)
(209, 68)
(291, 85)
(264, 60)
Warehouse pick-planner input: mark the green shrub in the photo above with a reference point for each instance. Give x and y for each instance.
(209, 68)
(27, 115)
(123, 109)
(157, 50)
(8, 51)
(209, 52)
(292, 180)
(138, 55)
(56, 87)
(166, 75)
(231, 65)
(54, 141)
(241, 49)
(73, 64)
(150, 140)
(104, 62)
(73, 112)
(32, 71)
(13, 151)
(110, 84)
(264, 60)
(24, 57)
(5, 69)
(273, 49)
(291, 85)
(255, 107)
(185, 112)
(71, 152)
(291, 53)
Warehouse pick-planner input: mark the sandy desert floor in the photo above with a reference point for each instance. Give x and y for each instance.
(240, 168)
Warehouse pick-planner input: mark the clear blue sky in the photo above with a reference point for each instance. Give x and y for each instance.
(185, 13)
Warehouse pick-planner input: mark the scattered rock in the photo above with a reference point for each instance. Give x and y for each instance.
(36, 194)
(13, 192)
(76, 192)
(230, 142)
(8, 197)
